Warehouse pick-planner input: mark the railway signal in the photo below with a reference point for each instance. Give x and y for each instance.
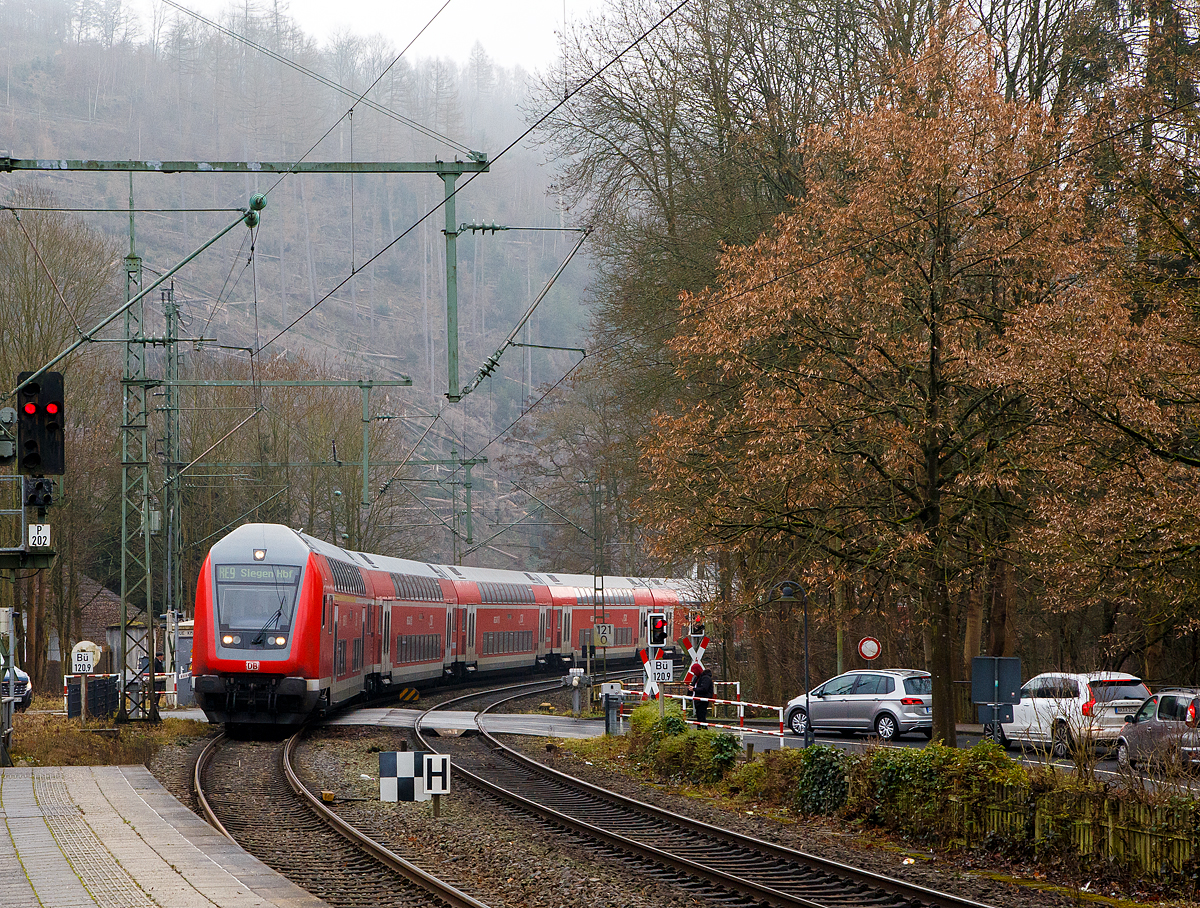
(39, 492)
(656, 627)
(40, 437)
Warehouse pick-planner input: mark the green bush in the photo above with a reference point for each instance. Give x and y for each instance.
(811, 780)
(647, 728)
(675, 752)
(927, 793)
(695, 756)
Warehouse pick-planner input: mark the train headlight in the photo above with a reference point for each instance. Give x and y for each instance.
(230, 639)
(260, 554)
(280, 641)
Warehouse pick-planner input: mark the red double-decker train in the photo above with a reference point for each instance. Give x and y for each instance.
(287, 625)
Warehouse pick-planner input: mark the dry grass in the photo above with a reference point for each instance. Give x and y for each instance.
(48, 739)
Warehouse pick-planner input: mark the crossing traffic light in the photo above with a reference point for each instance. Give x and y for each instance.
(40, 448)
(39, 492)
(656, 625)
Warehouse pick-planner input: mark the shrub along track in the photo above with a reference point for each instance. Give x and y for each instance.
(716, 865)
(249, 791)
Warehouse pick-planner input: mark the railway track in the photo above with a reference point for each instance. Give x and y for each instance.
(718, 865)
(249, 791)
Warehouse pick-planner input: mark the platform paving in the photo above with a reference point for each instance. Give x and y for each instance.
(113, 837)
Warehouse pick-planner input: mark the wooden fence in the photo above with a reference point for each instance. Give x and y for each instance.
(1161, 840)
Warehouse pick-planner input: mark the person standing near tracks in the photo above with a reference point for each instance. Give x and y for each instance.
(702, 690)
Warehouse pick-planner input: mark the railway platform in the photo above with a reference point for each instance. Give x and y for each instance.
(113, 837)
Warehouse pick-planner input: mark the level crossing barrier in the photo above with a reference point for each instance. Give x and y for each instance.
(633, 698)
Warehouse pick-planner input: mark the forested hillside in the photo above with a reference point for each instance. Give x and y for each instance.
(341, 279)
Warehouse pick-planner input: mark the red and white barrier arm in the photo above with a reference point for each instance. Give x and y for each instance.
(685, 698)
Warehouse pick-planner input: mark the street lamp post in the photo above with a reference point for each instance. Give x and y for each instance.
(786, 591)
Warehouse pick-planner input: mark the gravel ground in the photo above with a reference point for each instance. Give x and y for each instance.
(508, 861)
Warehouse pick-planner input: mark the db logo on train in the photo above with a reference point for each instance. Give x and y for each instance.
(251, 666)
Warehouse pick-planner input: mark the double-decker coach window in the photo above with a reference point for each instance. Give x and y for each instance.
(255, 599)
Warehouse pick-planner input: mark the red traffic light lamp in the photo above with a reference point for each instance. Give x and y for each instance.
(656, 623)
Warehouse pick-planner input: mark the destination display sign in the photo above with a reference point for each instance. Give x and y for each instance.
(258, 573)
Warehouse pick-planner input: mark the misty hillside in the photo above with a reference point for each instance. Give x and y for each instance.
(85, 80)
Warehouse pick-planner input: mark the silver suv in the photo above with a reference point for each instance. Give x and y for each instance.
(884, 702)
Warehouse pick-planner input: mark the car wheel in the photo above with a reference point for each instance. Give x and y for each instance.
(995, 731)
(1123, 759)
(798, 722)
(1061, 746)
(885, 726)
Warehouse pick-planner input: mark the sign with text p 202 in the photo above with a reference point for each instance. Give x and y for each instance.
(662, 670)
(39, 535)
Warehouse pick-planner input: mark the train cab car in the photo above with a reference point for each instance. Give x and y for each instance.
(255, 651)
(287, 625)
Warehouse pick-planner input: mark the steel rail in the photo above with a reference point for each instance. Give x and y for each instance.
(748, 887)
(431, 884)
(414, 874)
(206, 809)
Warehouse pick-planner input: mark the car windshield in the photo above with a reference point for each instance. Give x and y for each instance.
(1127, 689)
(918, 686)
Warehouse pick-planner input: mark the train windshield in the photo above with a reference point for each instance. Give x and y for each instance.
(256, 597)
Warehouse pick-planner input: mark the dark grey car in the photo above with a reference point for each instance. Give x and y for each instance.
(1155, 733)
(884, 702)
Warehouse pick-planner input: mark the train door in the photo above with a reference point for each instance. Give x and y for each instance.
(375, 657)
(386, 649)
(460, 631)
(337, 652)
(472, 649)
(543, 637)
(568, 649)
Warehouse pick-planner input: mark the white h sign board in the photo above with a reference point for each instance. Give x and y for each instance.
(414, 775)
(437, 774)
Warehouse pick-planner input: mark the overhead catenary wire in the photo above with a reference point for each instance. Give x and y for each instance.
(504, 151)
(53, 283)
(329, 83)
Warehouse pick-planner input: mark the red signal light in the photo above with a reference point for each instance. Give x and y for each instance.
(30, 408)
(52, 409)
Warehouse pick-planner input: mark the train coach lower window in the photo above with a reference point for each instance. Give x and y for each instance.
(498, 643)
(418, 647)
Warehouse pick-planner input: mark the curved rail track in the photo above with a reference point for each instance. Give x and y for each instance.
(250, 792)
(715, 864)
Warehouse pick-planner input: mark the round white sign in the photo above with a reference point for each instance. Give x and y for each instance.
(869, 648)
